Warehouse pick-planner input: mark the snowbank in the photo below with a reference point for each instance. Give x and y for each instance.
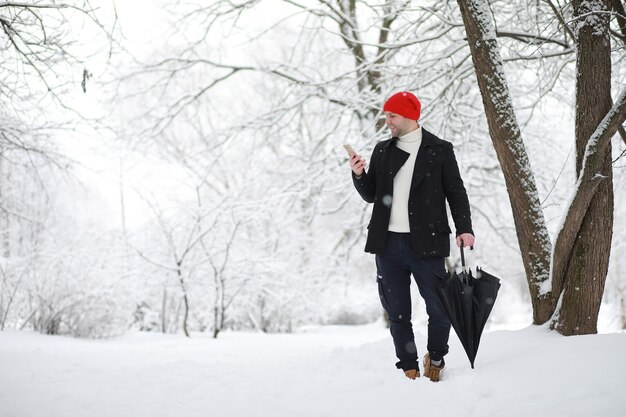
(329, 371)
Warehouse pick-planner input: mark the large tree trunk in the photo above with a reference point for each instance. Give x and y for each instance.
(532, 234)
(571, 280)
(588, 260)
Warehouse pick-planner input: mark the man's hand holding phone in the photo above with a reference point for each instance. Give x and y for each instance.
(356, 162)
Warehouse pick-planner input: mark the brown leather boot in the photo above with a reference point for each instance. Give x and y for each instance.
(412, 373)
(431, 371)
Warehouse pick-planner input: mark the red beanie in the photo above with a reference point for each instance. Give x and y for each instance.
(405, 104)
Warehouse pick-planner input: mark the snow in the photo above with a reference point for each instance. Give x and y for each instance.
(593, 13)
(319, 371)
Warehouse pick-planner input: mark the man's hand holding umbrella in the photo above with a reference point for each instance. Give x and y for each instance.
(467, 239)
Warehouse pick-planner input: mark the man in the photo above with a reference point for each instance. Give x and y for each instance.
(409, 180)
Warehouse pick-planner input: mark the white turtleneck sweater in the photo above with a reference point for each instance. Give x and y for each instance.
(399, 220)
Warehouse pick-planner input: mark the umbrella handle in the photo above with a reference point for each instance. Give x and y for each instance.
(463, 254)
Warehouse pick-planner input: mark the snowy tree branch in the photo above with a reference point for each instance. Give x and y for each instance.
(531, 38)
(586, 186)
(620, 16)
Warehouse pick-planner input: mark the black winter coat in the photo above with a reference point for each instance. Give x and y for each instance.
(436, 178)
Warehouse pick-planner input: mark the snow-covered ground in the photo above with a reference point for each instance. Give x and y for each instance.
(333, 371)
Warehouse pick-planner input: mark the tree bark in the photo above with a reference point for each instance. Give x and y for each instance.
(588, 259)
(532, 234)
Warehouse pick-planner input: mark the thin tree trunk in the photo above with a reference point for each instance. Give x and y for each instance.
(622, 305)
(4, 217)
(222, 301)
(183, 288)
(532, 234)
(164, 312)
(122, 199)
(4, 312)
(216, 304)
(588, 258)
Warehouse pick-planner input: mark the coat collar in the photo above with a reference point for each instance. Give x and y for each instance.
(428, 139)
(396, 157)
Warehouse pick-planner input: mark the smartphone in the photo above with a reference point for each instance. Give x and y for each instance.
(348, 148)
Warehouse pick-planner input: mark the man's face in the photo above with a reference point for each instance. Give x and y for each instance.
(399, 125)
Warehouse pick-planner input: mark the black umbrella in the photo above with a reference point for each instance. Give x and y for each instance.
(468, 302)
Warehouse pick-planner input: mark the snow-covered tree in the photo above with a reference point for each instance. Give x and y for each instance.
(569, 279)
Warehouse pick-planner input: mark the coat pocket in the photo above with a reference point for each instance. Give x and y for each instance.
(381, 293)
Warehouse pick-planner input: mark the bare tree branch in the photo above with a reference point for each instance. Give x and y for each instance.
(620, 16)
(530, 38)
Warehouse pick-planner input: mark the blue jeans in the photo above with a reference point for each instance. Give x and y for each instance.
(395, 267)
